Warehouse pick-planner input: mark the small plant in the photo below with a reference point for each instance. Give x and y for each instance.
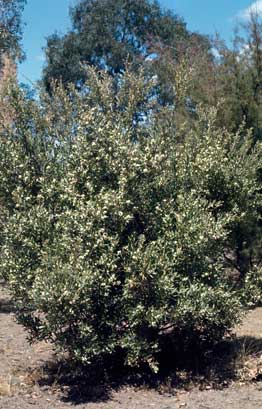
(252, 289)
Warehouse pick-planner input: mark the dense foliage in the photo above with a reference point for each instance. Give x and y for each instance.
(115, 222)
(130, 197)
(235, 76)
(107, 34)
(11, 28)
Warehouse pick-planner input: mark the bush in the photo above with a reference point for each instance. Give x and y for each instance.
(252, 289)
(115, 221)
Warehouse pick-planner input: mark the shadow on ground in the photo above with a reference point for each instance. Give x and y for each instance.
(6, 304)
(232, 360)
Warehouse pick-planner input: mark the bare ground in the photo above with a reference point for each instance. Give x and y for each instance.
(24, 382)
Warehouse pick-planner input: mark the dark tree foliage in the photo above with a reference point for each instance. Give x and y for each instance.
(238, 74)
(238, 78)
(11, 28)
(109, 33)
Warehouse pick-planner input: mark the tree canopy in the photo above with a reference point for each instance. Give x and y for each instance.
(109, 33)
(11, 28)
(240, 77)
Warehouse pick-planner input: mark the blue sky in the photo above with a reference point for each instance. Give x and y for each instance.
(44, 17)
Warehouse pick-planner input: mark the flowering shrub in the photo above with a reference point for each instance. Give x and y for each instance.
(114, 220)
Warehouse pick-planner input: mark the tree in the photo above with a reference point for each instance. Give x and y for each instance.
(11, 28)
(238, 78)
(109, 33)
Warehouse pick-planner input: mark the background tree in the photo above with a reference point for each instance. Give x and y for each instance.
(108, 33)
(237, 74)
(11, 28)
(10, 50)
(238, 77)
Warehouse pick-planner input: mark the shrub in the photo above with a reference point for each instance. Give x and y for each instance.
(115, 221)
(252, 289)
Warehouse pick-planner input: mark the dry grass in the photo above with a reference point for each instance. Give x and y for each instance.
(6, 385)
(248, 361)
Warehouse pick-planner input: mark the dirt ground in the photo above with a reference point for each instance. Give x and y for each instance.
(22, 375)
